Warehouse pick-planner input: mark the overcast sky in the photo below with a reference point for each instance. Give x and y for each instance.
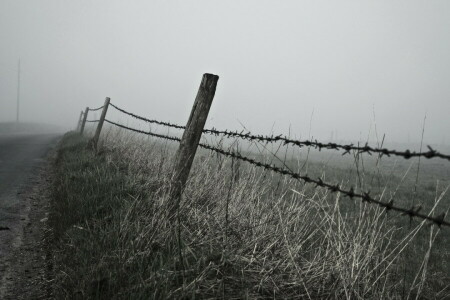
(341, 66)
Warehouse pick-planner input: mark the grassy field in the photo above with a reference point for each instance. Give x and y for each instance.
(242, 233)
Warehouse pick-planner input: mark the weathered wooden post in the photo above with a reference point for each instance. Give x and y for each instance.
(84, 120)
(191, 137)
(79, 121)
(94, 140)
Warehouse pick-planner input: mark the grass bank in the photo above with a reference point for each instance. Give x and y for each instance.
(242, 233)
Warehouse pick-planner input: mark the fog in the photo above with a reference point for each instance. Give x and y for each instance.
(341, 70)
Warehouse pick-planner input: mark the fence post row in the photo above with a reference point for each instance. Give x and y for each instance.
(79, 121)
(100, 123)
(191, 137)
(84, 120)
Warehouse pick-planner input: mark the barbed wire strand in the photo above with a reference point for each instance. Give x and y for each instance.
(407, 154)
(94, 109)
(148, 120)
(93, 121)
(334, 188)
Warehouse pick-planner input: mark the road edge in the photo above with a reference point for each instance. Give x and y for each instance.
(30, 272)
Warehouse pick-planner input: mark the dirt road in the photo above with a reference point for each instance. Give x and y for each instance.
(22, 159)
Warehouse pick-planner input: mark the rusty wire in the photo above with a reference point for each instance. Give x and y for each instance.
(334, 188)
(407, 154)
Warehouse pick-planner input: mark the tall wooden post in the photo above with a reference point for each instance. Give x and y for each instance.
(79, 121)
(100, 123)
(191, 137)
(84, 120)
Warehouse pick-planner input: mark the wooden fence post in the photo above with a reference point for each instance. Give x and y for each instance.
(191, 137)
(94, 140)
(79, 121)
(84, 120)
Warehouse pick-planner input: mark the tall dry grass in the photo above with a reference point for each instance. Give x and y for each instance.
(241, 233)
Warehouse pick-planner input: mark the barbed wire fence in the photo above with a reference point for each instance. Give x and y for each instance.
(412, 212)
(407, 154)
(350, 193)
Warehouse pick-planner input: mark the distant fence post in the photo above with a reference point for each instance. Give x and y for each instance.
(100, 123)
(84, 120)
(79, 121)
(191, 137)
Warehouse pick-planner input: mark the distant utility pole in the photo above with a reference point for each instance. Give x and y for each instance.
(18, 93)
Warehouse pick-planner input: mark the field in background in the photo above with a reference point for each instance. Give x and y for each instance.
(243, 233)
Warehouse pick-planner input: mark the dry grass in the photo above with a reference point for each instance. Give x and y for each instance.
(252, 236)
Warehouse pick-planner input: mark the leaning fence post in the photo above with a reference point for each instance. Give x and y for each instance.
(191, 137)
(84, 120)
(94, 140)
(79, 121)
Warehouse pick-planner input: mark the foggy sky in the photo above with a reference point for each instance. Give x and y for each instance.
(341, 66)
